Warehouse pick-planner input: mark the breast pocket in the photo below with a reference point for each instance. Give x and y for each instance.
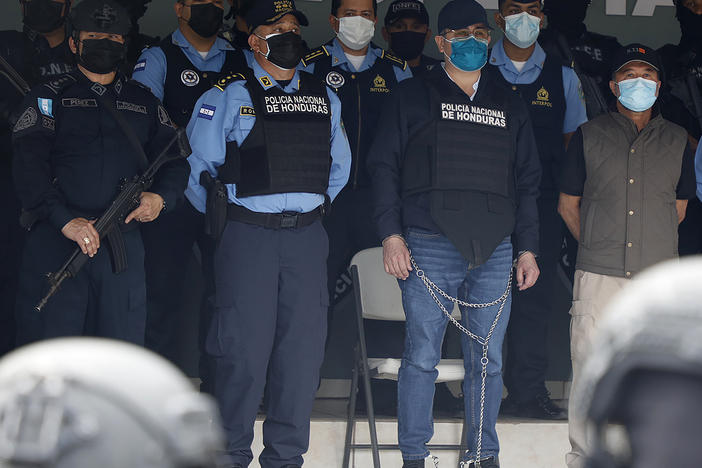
(80, 121)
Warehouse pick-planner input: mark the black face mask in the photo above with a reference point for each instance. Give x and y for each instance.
(101, 56)
(407, 45)
(285, 50)
(43, 16)
(206, 19)
(690, 25)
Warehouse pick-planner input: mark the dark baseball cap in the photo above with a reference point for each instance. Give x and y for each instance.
(406, 9)
(636, 53)
(270, 11)
(459, 14)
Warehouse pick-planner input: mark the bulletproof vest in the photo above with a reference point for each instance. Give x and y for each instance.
(545, 99)
(288, 148)
(464, 157)
(185, 84)
(628, 219)
(362, 95)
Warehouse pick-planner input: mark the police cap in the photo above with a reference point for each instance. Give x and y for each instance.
(103, 16)
(459, 14)
(270, 11)
(406, 9)
(636, 53)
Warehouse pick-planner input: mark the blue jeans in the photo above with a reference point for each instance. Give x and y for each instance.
(426, 325)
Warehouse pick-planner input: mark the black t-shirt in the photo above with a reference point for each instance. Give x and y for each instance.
(573, 173)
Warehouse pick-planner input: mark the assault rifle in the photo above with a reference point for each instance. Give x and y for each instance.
(13, 77)
(595, 102)
(109, 224)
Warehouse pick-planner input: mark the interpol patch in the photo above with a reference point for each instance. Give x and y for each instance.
(190, 78)
(207, 112)
(26, 120)
(473, 114)
(140, 66)
(121, 105)
(247, 110)
(46, 106)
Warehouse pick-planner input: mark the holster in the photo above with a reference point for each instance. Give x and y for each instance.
(216, 206)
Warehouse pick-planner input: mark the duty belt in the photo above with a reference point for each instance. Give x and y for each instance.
(284, 220)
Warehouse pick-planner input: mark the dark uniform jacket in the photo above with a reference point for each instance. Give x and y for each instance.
(409, 111)
(70, 154)
(30, 55)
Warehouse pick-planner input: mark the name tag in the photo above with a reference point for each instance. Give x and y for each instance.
(76, 102)
(121, 105)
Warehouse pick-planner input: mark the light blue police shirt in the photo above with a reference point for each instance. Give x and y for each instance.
(698, 170)
(217, 119)
(575, 114)
(338, 59)
(150, 69)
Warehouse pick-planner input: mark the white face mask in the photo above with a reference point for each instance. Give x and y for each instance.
(355, 31)
(523, 29)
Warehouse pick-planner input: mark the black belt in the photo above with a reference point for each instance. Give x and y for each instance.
(284, 220)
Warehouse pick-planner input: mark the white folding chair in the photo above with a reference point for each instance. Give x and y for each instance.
(378, 297)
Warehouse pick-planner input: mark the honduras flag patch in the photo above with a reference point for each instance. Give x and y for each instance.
(206, 112)
(140, 65)
(46, 106)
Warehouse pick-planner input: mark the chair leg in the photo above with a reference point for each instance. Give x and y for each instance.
(371, 414)
(463, 445)
(351, 419)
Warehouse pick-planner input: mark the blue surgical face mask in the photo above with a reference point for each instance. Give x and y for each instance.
(469, 54)
(523, 29)
(637, 94)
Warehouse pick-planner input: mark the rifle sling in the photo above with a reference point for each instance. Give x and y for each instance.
(128, 132)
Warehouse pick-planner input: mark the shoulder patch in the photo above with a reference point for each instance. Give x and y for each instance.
(315, 55)
(397, 61)
(229, 79)
(247, 110)
(60, 83)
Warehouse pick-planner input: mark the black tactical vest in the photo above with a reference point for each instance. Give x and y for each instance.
(465, 159)
(288, 148)
(362, 95)
(545, 99)
(185, 84)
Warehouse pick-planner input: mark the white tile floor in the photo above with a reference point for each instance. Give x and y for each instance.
(524, 444)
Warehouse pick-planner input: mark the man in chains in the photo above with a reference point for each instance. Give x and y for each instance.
(453, 194)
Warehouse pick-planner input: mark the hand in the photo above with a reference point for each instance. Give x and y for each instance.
(396, 258)
(527, 271)
(82, 232)
(149, 208)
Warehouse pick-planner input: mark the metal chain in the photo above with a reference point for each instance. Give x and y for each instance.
(432, 288)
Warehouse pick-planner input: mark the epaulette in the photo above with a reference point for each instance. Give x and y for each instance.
(60, 83)
(315, 55)
(229, 79)
(397, 61)
(139, 84)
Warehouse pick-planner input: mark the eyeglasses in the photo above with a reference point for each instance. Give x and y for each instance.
(478, 33)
